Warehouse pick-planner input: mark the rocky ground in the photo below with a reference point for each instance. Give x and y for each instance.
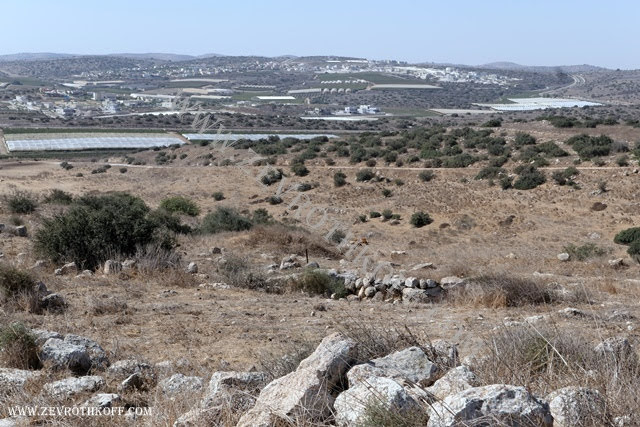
(486, 314)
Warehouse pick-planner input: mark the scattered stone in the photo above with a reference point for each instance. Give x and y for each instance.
(563, 256)
(179, 383)
(53, 302)
(61, 355)
(504, 405)
(129, 264)
(454, 381)
(289, 262)
(306, 391)
(617, 263)
(20, 231)
(235, 389)
(617, 348)
(443, 353)
(412, 282)
(70, 268)
(192, 268)
(420, 295)
(12, 380)
(112, 267)
(571, 406)
(428, 283)
(572, 312)
(216, 250)
(102, 400)
(369, 292)
(351, 405)
(423, 266)
(125, 368)
(410, 364)
(133, 382)
(42, 336)
(312, 264)
(69, 387)
(452, 282)
(97, 355)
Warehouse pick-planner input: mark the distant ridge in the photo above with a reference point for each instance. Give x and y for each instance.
(585, 68)
(43, 56)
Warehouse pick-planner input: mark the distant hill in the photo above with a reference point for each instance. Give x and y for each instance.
(34, 56)
(157, 56)
(585, 68)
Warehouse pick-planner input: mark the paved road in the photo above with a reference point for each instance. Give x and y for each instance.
(578, 80)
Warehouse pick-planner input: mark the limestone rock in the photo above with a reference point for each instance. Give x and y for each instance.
(410, 364)
(69, 387)
(454, 381)
(179, 383)
(61, 354)
(497, 404)
(307, 390)
(571, 406)
(351, 405)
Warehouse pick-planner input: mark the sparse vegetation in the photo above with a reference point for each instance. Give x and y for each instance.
(21, 202)
(420, 219)
(224, 219)
(18, 347)
(339, 179)
(180, 204)
(316, 282)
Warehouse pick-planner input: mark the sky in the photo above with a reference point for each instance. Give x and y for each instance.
(529, 32)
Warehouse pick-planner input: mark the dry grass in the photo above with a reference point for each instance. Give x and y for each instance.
(283, 239)
(544, 359)
(501, 291)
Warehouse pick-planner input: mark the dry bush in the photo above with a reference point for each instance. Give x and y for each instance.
(501, 291)
(153, 258)
(378, 413)
(18, 289)
(284, 239)
(544, 359)
(237, 271)
(285, 360)
(18, 347)
(104, 305)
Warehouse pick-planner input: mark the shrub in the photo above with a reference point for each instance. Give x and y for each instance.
(274, 200)
(123, 170)
(319, 283)
(426, 176)
(14, 282)
(628, 236)
(529, 177)
(21, 202)
(584, 252)
(386, 192)
(398, 182)
(374, 214)
(387, 214)
(299, 169)
(96, 228)
(59, 197)
(224, 219)
(506, 182)
(179, 204)
(623, 161)
(634, 250)
(588, 147)
(371, 163)
(362, 218)
(566, 176)
(493, 123)
(165, 220)
(18, 347)
(365, 175)
(271, 177)
(261, 216)
(524, 139)
(217, 196)
(66, 166)
(490, 172)
(337, 236)
(420, 219)
(305, 186)
(339, 179)
(237, 272)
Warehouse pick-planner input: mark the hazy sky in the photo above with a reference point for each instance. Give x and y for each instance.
(532, 32)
